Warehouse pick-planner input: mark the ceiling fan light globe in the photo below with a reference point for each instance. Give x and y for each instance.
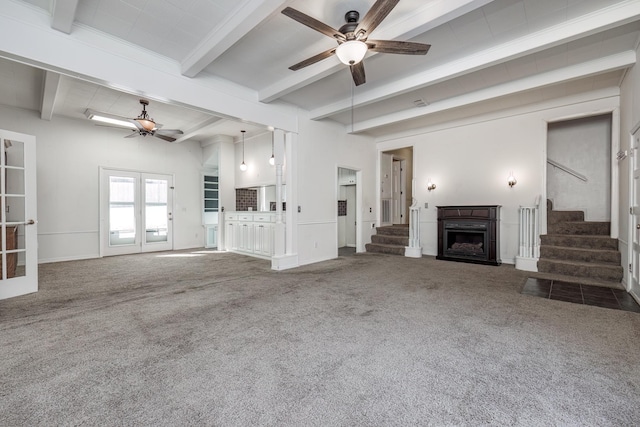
(147, 124)
(351, 52)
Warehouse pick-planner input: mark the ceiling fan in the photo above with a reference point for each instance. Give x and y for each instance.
(352, 38)
(145, 125)
(142, 125)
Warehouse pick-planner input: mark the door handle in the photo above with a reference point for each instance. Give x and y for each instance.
(638, 226)
(29, 222)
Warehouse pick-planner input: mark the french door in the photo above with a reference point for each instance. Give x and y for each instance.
(136, 212)
(18, 225)
(634, 225)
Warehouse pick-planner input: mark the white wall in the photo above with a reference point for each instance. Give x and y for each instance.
(257, 151)
(69, 154)
(583, 145)
(323, 147)
(470, 161)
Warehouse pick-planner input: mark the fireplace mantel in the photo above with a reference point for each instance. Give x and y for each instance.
(469, 234)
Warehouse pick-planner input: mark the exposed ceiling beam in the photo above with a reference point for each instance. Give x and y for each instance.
(607, 18)
(590, 68)
(238, 23)
(199, 129)
(64, 13)
(90, 55)
(49, 93)
(431, 15)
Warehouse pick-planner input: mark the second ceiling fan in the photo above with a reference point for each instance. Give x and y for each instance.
(145, 125)
(353, 38)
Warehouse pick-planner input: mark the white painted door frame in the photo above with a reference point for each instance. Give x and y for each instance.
(357, 208)
(633, 286)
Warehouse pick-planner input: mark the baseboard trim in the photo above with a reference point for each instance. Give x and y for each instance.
(411, 252)
(63, 259)
(284, 262)
(527, 264)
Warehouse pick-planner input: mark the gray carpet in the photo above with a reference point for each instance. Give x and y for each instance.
(219, 339)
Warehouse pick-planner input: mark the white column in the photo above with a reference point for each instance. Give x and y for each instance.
(285, 247)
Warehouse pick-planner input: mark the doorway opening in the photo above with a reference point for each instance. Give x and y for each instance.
(396, 170)
(579, 166)
(347, 211)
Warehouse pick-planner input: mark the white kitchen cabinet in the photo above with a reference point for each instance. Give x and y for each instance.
(263, 239)
(346, 177)
(250, 233)
(211, 239)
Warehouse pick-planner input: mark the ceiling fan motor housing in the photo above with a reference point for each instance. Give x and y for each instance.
(351, 18)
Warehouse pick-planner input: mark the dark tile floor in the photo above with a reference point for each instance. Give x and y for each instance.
(346, 251)
(581, 294)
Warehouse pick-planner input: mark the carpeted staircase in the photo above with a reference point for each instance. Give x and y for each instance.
(390, 239)
(579, 251)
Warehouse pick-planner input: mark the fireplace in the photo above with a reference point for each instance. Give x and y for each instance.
(469, 234)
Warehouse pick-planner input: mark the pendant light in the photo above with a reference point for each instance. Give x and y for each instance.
(243, 165)
(272, 159)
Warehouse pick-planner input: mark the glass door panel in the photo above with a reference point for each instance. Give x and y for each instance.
(18, 233)
(122, 211)
(156, 210)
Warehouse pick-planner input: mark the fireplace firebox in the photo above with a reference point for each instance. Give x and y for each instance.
(469, 234)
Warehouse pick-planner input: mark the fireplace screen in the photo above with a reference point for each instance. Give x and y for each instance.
(465, 239)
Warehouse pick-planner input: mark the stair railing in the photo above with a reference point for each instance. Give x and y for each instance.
(414, 250)
(529, 237)
(567, 169)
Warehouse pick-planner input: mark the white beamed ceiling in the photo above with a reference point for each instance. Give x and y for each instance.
(485, 56)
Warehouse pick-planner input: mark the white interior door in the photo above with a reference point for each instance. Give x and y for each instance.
(397, 193)
(18, 225)
(635, 214)
(136, 212)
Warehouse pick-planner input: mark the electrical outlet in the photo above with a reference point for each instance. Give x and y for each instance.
(370, 210)
(426, 205)
(373, 225)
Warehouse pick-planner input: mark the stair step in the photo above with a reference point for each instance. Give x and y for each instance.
(554, 217)
(578, 280)
(390, 239)
(393, 230)
(607, 272)
(580, 227)
(385, 248)
(581, 254)
(579, 241)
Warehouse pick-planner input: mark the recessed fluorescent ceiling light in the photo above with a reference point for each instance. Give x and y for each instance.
(106, 118)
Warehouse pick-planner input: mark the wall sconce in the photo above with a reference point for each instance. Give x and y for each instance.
(243, 165)
(511, 180)
(430, 185)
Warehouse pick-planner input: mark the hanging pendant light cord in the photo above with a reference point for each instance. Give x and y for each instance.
(352, 89)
